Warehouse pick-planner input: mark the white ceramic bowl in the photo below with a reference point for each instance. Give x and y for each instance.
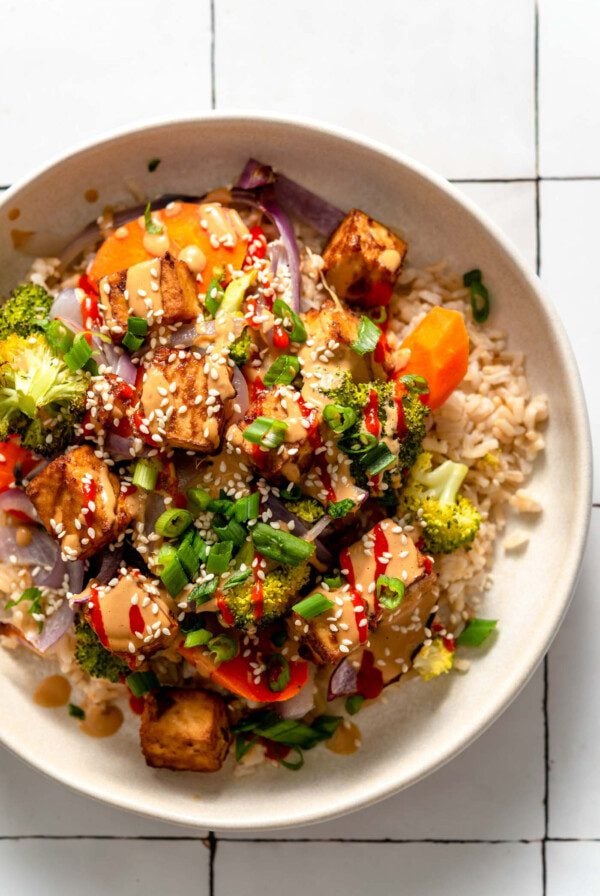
(421, 726)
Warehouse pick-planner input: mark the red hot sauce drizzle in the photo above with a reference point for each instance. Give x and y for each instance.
(356, 596)
(96, 616)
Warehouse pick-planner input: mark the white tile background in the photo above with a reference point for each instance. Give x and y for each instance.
(504, 98)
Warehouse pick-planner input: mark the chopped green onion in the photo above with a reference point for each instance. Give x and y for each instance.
(291, 492)
(235, 292)
(198, 498)
(480, 297)
(137, 326)
(290, 321)
(360, 444)
(293, 766)
(415, 383)
(166, 553)
(150, 224)
(289, 732)
(189, 556)
(313, 605)
(153, 164)
(369, 335)
(279, 638)
(34, 595)
(79, 353)
(283, 371)
(174, 577)
(242, 746)
(219, 557)
(197, 638)
(173, 522)
(139, 683)
(476, 632)
(354, 703)
(266, 431)
(59, 337)
(247, 508)
(233, 532)
(379, 314)
(340, 508)
(333, 581)
(223, 647)
(390, 592)
(131, 342)
(215, 292)
(202, 593)
(275, 544)
(145, 474)
(76, 711)
(237, 578)
(338, 417)
(377, 459)
(278, 673)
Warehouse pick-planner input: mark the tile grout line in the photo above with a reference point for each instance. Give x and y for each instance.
(212, 845)
(212, 841)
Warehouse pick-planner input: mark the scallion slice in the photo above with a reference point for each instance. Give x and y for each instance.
(338, 509)
(219, 557)
(333, 581)
(145, 474)
(131, 342)
(166, 553)
(215, 292)
(76, 711)
(377, 459)
(281, 546)
(480, 297)
(137, 326)
(188, 556)
(283, 371)
(338, 417)
(59, 337)
(266, 431)
(247, 508)
(173, 522)
(390, 592)
(139, 683)
(278, 673)
(476, 632)
(203, 592)
(174, 577)
(290, 321)
(79, 354)
(313, 605)
(238, 578)
(354, 703)
(369, 335)
(150, 224)
(198, 638)
(223, 648)
(360, 444)
(415, 383)
(233, 532)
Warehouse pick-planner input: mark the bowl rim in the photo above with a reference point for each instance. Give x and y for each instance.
(501, 698)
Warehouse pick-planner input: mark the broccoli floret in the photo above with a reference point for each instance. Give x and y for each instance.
(356, 396)
(308, 509)
(415, 414)
(449, 520)
(40, 398)
(23, 312)
(240, 350)
(433, 660)
(279, 587)
(95, 659)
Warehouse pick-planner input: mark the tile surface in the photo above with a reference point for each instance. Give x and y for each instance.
(570, 862)
(380, 870)
(98, 867)
(417, 75)
(574, 712)
(569, 88)
(103, 67)
(569, 234)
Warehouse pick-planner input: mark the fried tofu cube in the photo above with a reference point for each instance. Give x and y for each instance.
(357, 616)
(185, 398)
(185, 730)
(363, 260)
(133, 615)
(80, 502)
(162, 291)
(293, 456)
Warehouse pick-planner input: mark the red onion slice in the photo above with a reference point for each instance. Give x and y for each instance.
(297, 707)
(118, 446)
(343, 681)
(242, 395)
(67, 307)
(41, 550)
(307, 206)
(109, 566)
(126, 369)
(55, 577)
(54, 628)
(254, 175)
(14, 500)
(290, 244)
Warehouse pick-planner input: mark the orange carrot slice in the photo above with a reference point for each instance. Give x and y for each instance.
(183, 223)
(439, 351)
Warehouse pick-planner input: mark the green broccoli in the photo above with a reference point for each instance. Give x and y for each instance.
(279, 588)
(95, 659)
(409, 432)
(24, 312)
(449, 520)
(240, 350)
(40, 398)
(308, 509)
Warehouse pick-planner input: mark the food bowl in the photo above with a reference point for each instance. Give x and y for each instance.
(419, 727)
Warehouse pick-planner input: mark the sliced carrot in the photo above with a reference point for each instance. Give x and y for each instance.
(237, 676)
(125, 246)
(439, 351)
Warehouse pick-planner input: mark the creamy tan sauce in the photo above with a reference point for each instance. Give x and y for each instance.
(23, 536)
(121, 620)
(53, 691)
(156, 243)
(91, 195)
(102, 722)
(194, 257)
(143, 287)
(346, 739)
(121, 233)
(13, 214)
(221, 221)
